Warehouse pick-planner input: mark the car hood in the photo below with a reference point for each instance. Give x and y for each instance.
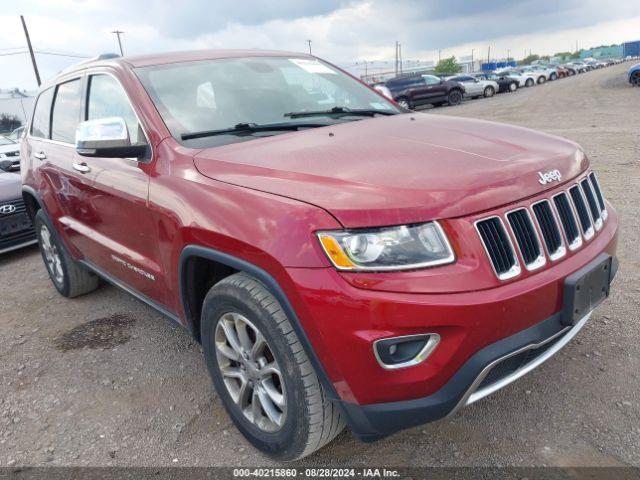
(399, 169)
(13, 147)
(10, 186)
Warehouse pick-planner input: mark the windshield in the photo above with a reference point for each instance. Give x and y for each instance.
(5, 141)
(220, 94)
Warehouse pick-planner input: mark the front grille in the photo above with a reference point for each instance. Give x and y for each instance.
(18, 203)
(581, 208)
(549, 228)
(572, 220)
(498, 246)
(526, 238)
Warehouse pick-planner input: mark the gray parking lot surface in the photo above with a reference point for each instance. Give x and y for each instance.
(104, 380)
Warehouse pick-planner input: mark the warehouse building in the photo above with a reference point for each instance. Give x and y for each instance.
(612, 51)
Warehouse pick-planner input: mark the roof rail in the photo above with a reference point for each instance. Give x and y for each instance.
(104, 56)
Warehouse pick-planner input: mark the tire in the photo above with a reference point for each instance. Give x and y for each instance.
(404, 102)
(529, 82)
(635, 79)
(513, 86)
(541, 80)
(553, 76)
(454, 98)
(489, 92)
(302, 418)
(69, 277)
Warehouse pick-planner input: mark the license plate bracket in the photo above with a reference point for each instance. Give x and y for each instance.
(587, 288)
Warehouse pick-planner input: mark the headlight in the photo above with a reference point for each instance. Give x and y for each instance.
(393, 248)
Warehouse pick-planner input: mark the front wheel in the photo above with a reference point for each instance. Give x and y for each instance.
(404, 103)
(541, 80)
(454, 97)
(513, 86)
(261, 372)
(489, 92)
(553, 76)
(635, 79)
(529, 82)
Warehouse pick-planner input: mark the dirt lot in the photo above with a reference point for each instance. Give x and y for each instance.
(105, 380)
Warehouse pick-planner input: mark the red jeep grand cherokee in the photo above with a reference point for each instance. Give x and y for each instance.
(341, 260)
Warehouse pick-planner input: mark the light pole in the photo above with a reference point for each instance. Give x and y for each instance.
(309, 42)
(473, 67)
(117, 33)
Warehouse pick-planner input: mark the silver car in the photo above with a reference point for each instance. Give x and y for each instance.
(474, 87)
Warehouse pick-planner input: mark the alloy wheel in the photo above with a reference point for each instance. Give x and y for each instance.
(52, 256)
(250, 372)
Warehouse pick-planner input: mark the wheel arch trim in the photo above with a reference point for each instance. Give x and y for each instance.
(272, 285)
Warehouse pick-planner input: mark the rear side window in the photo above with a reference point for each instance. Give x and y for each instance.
(66, 111)
(42, 115)
(108, 99)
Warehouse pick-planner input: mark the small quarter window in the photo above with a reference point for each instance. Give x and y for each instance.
(42, 115)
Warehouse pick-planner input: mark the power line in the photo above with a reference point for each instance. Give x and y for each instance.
(44, 52)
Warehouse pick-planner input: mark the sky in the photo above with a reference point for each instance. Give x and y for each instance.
(341, 31)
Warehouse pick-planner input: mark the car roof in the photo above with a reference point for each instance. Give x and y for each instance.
(138, 61)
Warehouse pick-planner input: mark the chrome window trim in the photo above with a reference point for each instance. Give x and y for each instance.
(421, 356)
(562, 250)
(577, 243)
(541, 260)
(515, 270)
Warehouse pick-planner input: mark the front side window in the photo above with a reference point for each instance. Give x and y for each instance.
(66, 111)
(108, 99)
(219, 94)
(42, 115)
(431, 79)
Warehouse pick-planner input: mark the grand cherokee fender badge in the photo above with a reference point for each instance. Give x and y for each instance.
(550, 176)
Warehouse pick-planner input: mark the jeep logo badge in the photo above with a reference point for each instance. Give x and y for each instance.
(550, 176)
(7, 209)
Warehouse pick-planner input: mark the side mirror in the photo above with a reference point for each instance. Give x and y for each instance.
(107, 138)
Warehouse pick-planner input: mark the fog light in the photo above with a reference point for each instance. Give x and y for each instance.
(406, 351)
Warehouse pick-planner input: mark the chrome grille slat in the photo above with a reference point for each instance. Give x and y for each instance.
(581, 208)
(498, 247)
(526, 238)
(550, 229)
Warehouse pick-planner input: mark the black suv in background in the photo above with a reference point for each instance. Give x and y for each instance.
(412, 91)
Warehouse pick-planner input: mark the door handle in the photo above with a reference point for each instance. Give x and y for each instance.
(40, 155)
(82, 167)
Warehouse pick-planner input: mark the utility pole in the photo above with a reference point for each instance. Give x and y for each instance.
(400, 56)
(473, 67)
(508, 55)
(489, 55)
(33, 57)
(396, 58)
(439, 55)
(118, 32)
(309, 42)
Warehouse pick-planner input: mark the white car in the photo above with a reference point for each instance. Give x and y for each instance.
(524, 79)
(9, 152)
(474, 87)
(542, 74)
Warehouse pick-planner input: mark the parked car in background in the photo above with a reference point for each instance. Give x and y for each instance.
(579, 67)
(541, 76)
(9, 154)
(560, 71)
(383, 89)
(505, 82)
(475, 87)
(570, 68)
(346, 264)
(524, 79)
(634, 75)
(16, 229)
(415, 90)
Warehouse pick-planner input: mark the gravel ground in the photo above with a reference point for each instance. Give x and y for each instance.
(104, 380)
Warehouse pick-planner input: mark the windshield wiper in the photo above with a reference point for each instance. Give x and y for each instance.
(340, 112)
(249, 128)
